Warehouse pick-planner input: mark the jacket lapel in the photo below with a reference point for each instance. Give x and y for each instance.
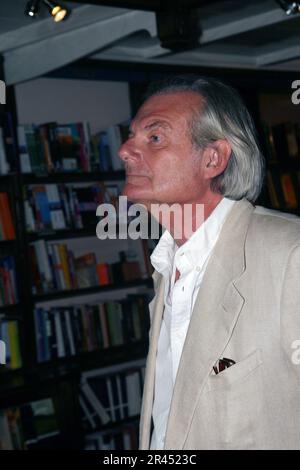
(214, 316)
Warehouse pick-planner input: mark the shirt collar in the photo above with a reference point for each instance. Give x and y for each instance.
(163, 254)
(198, 247)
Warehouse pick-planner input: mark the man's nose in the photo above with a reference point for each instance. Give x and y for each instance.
(129, 151)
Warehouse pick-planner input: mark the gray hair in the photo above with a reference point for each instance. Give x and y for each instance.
(222, 115)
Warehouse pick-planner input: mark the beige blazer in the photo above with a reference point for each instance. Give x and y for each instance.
(248, 310)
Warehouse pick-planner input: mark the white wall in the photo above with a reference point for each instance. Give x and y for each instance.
(101, 103)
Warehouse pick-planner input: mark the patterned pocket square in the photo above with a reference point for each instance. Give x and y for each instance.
(223, 364)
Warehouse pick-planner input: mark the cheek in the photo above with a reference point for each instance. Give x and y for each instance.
(175, 168)
(172, 173)
(185, 182)
(170, 184)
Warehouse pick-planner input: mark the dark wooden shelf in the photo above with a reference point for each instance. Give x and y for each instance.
(10, 379)
(10, 373)
(73, 177)
(24, 385)
(6, 178)
(98, 358)
(7, 244)
(60, 234)
(10, 309)
(91, 290)
(67, 233)
(111, 425)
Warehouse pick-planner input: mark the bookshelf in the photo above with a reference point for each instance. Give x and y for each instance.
(94, 322)
(11, 317)
(280, 123)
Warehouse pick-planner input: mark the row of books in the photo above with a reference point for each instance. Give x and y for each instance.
(110, 398)
(10, 344)
(283, 189)
(282, 141)
(7, 230)
(123, 438)
(8, 284)
(62, 206)
(55, 267)
(54, 147)
(72, 330)
(31, 425)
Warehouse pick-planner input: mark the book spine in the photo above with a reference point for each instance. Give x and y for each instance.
(13, 334)
(104, 325)
(63, 255)
(6, 217)
(38, 312)
(59, 335)
(43, 265)
(69, 332)
(58, 269)
(133, 393)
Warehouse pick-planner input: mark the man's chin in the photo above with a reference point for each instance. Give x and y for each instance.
(134, 193)
(135, 196)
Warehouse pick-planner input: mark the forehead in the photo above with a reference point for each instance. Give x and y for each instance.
(174, 108)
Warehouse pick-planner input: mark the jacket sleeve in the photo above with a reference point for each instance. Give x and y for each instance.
(290, 310)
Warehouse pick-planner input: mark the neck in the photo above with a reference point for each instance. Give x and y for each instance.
(182, 220)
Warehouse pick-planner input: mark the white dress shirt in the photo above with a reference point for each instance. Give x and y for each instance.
(191, 260)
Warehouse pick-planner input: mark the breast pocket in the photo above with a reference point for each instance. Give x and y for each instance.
(236, 372)
(234, 400)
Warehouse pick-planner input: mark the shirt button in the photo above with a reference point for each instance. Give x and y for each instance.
(198, 268)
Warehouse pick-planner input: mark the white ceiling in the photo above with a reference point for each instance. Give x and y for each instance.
(234, 34)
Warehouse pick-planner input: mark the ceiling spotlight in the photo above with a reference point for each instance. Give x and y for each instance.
(289, 7)
(57, 11)
(32, 8)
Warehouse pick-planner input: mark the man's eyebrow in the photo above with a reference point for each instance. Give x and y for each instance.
(156, 123)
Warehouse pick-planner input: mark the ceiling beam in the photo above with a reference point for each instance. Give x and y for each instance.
(211, 56)
(42, 56)
(249, 17)
(279, 52)
(214, 28)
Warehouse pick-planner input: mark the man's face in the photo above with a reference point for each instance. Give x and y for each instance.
(162, 166)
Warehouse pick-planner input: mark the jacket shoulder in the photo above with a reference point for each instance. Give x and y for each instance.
(275, 227)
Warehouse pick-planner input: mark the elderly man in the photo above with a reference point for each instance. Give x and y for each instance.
(223, 366)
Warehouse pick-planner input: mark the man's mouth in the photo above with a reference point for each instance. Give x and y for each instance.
(136, 180)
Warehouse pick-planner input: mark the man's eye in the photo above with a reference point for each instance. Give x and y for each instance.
(155, 138)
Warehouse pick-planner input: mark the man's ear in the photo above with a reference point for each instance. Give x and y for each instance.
(216, 157)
